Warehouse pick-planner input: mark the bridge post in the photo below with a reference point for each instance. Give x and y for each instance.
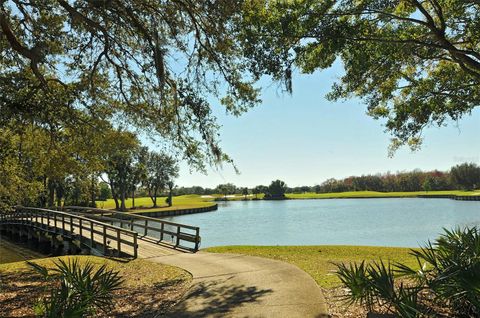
(162, 228)
(135, 246)
(80, 230)
(197, 238)
(119, 243)
(92, 241)
(105, 247)
(178, 236)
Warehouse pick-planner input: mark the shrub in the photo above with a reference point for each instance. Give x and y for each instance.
(80, 291)
(448, 279)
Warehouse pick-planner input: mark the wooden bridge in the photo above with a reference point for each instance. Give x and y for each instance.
(102, 232)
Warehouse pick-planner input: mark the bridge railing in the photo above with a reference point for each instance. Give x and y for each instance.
(87, 231)
(179, 234)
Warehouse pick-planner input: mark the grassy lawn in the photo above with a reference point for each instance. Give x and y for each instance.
(318, 261)
(10, 252)
(374, 194)
(149, 288)
(136, 273)
(144, 204)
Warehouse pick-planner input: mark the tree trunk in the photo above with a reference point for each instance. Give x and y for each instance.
(43, 198)
(123, 207)
(51, 193)
(170, 202)
(133, 199)
(117, 205)
(93, 194)
(59, 199)
(154, 198)
(114, 196)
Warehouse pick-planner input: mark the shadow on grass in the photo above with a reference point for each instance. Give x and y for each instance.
(213, 299)
(20, 290)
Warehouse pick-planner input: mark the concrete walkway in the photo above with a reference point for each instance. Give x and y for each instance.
(230, 285)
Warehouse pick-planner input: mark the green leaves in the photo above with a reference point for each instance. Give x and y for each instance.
(447, 277)
(144, 63)
(413, 63)
(83, 290)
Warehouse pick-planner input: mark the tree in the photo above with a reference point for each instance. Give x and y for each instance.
(226, 189)
(119, 156)
(17, 186)
(414, 63)
(148, 63)
(276, 190)
(170, 186)
(466, 175)
(259, 189)
(105, 192)
(139, 171)
(161, 170)
(427, 184)
(245, 193)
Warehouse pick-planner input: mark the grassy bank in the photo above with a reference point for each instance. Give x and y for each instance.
(144, 204)
(318, 261)
(191, 201)
(374, 194)
(10, 252)
(149, 288)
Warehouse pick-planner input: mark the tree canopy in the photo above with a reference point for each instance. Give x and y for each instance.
(276, 190)
(466, 175)
(151, 65)
(414, 63)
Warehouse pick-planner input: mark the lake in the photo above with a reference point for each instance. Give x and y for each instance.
(405, 222)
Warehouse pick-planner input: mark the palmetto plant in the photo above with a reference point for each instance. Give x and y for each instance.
(82, 290)
(374, 286)
(447, 279)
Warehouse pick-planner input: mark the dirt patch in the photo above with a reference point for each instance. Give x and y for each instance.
(338, 308)
(20, 290)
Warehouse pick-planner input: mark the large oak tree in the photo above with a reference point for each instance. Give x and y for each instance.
(413, 62)
(153, 65)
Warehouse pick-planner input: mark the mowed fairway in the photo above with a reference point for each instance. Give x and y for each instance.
(145, 204)
(319, 261)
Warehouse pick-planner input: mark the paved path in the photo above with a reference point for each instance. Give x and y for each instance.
(231, 285)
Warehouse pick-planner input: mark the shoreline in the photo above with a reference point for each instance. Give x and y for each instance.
(475, 196)
(176, 212)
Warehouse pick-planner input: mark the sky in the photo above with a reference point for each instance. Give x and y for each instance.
(304, 139)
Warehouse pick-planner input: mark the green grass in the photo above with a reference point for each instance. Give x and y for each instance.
(374, 194)
(10, 252)
(136, 273)
(318, 261)
(144, 204)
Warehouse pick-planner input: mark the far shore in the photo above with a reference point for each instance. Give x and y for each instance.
(194, 201)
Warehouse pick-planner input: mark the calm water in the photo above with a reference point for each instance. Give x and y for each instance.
(381, 222)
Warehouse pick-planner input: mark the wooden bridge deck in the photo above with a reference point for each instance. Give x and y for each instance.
(93, 232)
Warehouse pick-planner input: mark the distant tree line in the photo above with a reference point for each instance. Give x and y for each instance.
(465, 176)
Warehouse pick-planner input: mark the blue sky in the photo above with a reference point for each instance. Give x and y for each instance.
(304, 139)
